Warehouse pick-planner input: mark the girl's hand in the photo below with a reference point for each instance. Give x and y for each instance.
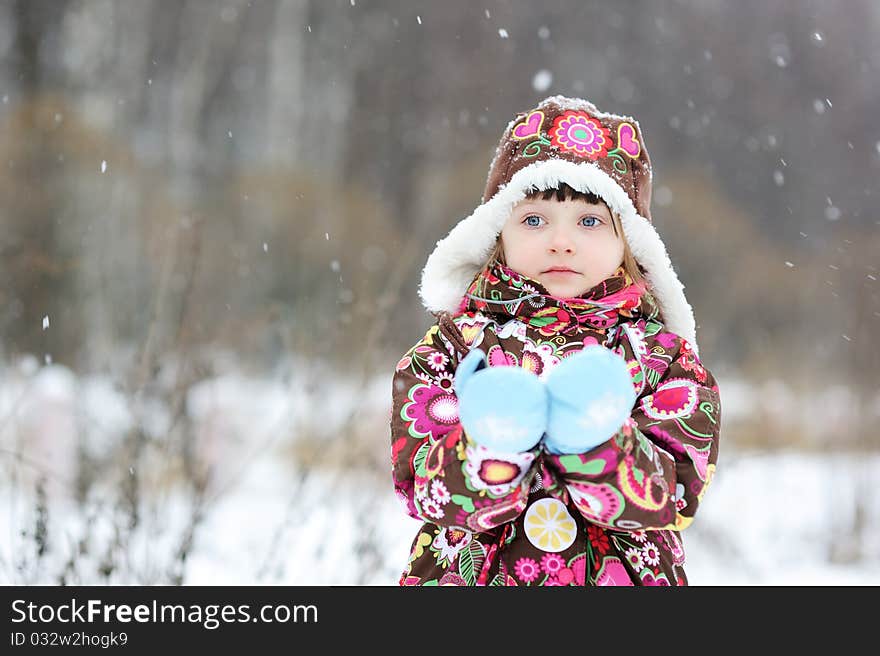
(502, 408)
(591, 395)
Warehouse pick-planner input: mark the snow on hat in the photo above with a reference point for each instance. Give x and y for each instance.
(562, 140)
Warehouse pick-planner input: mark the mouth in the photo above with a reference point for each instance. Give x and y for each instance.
(561, 270)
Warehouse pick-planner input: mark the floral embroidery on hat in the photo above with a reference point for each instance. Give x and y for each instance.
(626, 140)
(530, 128)
(580, 133)
(626, 143)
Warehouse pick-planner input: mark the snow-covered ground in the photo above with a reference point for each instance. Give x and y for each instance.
(768, 519)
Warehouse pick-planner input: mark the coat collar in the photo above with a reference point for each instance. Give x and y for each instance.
(503, 292)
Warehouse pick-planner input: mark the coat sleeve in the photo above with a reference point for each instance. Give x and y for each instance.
(439, 473)
(654, 472)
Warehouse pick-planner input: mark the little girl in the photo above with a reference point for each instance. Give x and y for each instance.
(555, 425)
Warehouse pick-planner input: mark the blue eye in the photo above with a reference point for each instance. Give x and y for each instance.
(533, 224)
(588, 218)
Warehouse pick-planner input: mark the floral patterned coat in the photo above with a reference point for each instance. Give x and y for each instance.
(610, 516)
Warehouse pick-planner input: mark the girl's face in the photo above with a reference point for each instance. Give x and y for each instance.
(568, 246)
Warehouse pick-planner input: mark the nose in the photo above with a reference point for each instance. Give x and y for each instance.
(560, 242)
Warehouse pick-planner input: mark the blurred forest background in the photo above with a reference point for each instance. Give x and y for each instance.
(214, 216)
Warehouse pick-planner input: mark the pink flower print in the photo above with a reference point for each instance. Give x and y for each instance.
(552, 581)
(580, 133)
(431, 410)
(532, 362)
(404, 362)
(431, 509)
(526, 569)
(634, 558)
(590, 341)
(494, 471)
(437, 361)
(446, 380)
(650, 554)
(639, 536)
(565, 576)
(440, 493)
(675, 398)
(552, 563)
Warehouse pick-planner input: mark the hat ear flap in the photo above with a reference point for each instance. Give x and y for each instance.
(642, 175)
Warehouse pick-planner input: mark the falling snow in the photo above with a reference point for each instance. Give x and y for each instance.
(45, 322)
(502, 33)
(103, 166)
(832, 213)
(542, 80)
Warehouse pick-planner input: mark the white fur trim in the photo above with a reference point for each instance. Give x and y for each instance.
(457, 257)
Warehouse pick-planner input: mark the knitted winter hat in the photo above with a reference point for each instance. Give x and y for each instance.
(562, 140)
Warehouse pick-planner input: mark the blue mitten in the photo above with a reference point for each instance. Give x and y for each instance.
(591, 395)
(502, 408)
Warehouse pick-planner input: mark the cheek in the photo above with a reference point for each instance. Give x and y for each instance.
(604, 252)
(517, 248)
(611, 244)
